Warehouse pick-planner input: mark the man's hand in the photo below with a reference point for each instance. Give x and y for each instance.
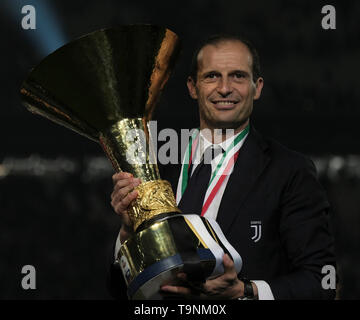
(123, 194)
(226, 286)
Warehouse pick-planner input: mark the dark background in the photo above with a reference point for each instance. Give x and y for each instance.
(55, 185)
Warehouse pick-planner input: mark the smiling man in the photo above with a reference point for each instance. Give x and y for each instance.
(267, 199)
(224, 85)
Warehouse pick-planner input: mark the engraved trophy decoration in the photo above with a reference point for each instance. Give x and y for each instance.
(104, 85)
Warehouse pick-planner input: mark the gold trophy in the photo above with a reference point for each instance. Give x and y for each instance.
(105, 85)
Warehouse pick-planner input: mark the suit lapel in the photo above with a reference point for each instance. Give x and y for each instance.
(250, 163)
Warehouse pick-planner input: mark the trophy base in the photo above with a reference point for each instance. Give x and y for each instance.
(151, 289)
(176, 243)
(147, 286)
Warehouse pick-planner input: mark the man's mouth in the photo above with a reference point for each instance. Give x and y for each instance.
(224, 104)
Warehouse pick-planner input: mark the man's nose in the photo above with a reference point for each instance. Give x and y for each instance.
(224, 87)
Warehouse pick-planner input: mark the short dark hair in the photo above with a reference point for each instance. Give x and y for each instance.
(218, 38)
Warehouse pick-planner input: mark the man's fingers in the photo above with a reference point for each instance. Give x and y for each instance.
(228, 263)
(121, 194)
(116, 196)
(121, 184)
(123, 205)
(119, 176)
(176, 289)
(134, 182)
(211, 288)
(229, 267)
(129, 198)
(122, 189)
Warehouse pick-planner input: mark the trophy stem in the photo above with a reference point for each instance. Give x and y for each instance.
(127, 144)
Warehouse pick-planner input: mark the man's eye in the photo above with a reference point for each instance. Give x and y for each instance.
(239, 75)
(211, 76)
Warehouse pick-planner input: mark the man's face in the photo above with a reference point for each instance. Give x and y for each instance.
(225, 88)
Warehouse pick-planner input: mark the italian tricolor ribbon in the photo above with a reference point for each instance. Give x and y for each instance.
(223, 168)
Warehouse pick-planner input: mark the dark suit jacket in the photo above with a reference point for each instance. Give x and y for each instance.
(277, 187)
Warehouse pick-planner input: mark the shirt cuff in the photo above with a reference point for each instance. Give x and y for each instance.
(264, 290)
(117, 246)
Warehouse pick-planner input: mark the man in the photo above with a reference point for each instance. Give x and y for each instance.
(271, 208)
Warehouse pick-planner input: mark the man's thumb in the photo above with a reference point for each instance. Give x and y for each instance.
(228, 263)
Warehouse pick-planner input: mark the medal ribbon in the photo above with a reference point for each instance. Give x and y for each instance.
(188, 159)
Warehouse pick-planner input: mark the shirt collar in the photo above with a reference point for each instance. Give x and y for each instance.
(203, 144)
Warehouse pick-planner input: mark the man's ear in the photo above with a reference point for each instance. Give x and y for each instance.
(191, 87)
(258, 87)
